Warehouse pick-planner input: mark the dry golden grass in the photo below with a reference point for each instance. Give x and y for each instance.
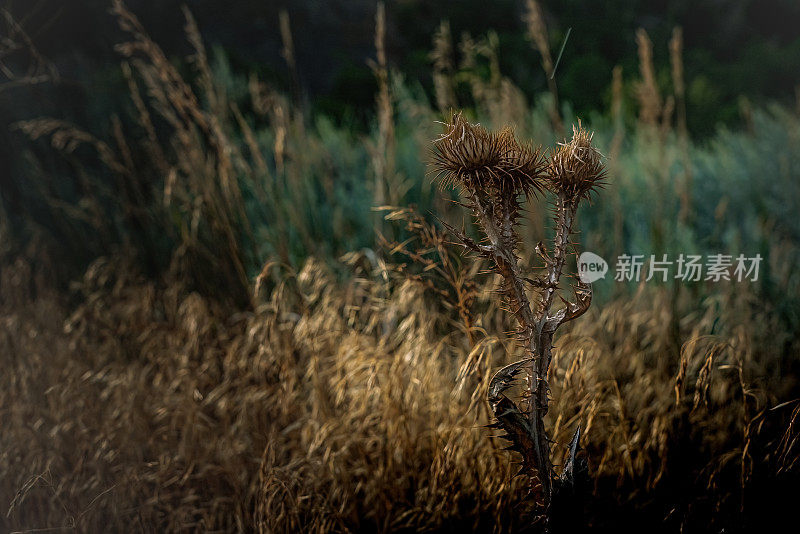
(351, 407)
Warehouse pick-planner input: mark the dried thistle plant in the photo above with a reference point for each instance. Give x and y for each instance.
(493, 172)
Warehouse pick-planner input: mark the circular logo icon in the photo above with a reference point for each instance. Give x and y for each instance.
(591, 267)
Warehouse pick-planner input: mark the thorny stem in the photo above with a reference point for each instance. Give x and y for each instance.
(542, 339)
(536, 329)
(505, 259)
(565, 217)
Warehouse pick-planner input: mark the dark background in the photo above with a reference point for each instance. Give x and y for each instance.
(733, 48)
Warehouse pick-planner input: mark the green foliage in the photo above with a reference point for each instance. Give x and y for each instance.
(315, 192)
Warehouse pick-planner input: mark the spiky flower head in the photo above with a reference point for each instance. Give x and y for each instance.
(576, 167)
(469, 156)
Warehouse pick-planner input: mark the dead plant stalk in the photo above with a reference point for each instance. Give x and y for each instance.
(493, 170)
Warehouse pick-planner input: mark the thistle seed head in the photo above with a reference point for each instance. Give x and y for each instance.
(576, 167)
(469, 156)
